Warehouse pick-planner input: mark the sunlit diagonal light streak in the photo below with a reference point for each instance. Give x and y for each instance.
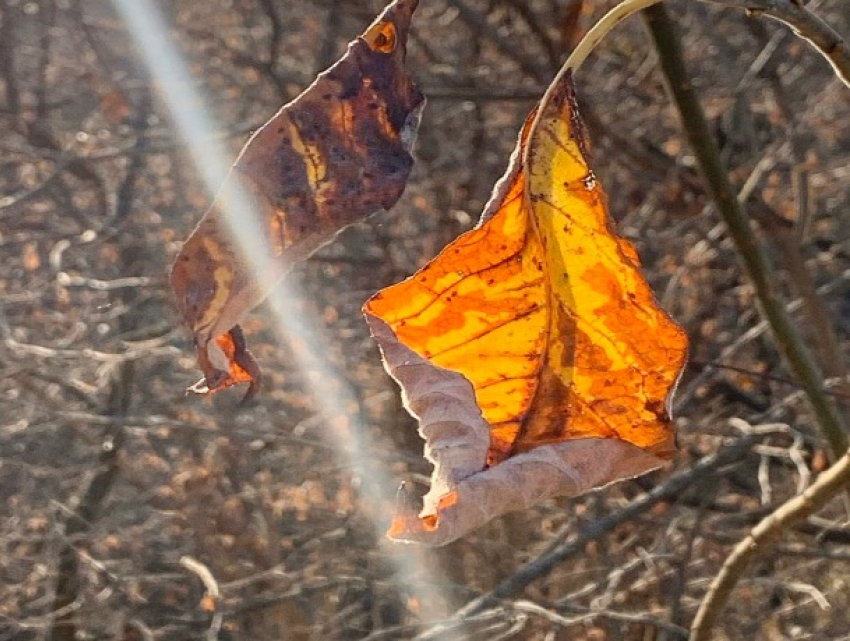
(197, 129)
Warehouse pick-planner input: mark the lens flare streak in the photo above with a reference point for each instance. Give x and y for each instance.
(198, 131)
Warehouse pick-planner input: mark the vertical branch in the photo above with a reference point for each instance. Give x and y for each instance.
(48, 20)
(678, 583)
(790, 344)
(7, 58)
(822, 329)
(39, 133)
(789, 240)
(478, 23)
(552, 49)
(275, 40)
(67, 590)
(119, 400)
(327, 52)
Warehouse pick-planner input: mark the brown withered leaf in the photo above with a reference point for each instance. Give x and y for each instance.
(337, 153)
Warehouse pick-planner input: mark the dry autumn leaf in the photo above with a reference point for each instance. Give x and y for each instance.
(337, 153)
(531, 350)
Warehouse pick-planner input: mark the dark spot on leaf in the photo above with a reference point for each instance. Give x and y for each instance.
(657, 408)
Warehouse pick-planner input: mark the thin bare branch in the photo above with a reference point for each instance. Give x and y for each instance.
(788, 341)
(827, 487)
(805, 24)
(558, 551)
(211, 586)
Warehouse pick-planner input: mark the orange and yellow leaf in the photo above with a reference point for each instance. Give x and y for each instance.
(543, 311)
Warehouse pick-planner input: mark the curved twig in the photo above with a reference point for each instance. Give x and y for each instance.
(806, 25)
(601, 29)
(828, 485)
(213, 594)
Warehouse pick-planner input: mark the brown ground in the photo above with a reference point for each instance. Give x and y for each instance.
(109, 474)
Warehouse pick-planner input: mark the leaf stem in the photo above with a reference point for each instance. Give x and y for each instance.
(601, 29)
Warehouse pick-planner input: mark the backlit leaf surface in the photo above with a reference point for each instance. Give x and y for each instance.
(531, 350)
